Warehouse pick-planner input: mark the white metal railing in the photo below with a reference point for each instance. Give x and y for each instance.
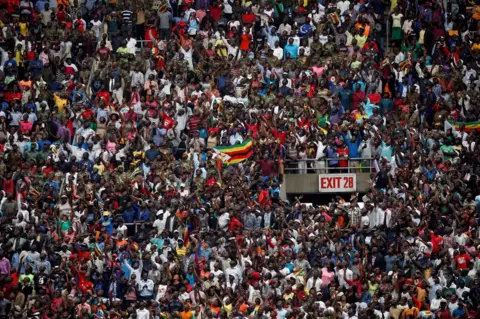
(324, 166)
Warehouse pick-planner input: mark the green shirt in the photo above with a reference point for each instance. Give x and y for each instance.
(64, 225)
(448, 151)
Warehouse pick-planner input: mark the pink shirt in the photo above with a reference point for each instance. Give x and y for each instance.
(111, 147)
(25, 126)
(318, 71)
(327, 277)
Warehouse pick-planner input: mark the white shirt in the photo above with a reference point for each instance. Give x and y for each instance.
(131, 45)
(187, 55)
(399, 57)
(344, 275)
(236, 272)
(96, 26)
(162, 289)
(223, 220)
(343, 6)
(278, 53)
(159, 224)
(364, 221)
(143, 314)
(145, 288)
(452, 306)
(235, 138)
(227, 8)
(312, 283)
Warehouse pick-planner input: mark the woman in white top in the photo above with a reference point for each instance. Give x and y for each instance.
(397, 25)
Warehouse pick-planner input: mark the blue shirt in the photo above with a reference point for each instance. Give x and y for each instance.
(331, 153)
(129, 216)
(36, 66)
(144, 215)
(108, 224)
(345, 96)
(41, 4)
(158, 242)
(368, 107)
(387, 151)
(353, 146)
(292, 49)
(458, 313)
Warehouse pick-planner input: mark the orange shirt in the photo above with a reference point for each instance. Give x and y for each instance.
(121, 243)
(186, 314)
(65, 3)
(215, 310)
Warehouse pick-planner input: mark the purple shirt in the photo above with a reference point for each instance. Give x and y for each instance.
(5, 266)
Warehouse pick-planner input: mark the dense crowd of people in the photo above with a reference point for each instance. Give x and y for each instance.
(119, 198)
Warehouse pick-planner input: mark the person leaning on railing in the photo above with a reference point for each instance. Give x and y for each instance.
(331, 151)
(353, 143)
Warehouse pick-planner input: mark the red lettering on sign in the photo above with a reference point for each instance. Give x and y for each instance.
(334, 182)
(324, 184)
(348, 182)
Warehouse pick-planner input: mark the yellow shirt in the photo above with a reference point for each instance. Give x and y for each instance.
(360, 40)
(19, 57)
(393, 5)
(228, 309)
(355, 64)
(221, 52)
(181, 251)
(246, 3)
(23, 28)
(453, 32)
(421, 38)
(100, 168)
(60, 103)
(288, 296)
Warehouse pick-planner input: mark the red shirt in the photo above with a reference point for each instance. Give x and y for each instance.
(374, 98)
(443, 314)
(168, 122)
(105, 96)
(88, 113)
(357, 99)
(462, 260)
(25, 127)
(342, 152)
(248, 18)
(8, 186)
(213, 129)
(215, 12)
(235, 224)
(436, 242)
(267, 167)
(253, 129)
(61, 16)
(280, 136)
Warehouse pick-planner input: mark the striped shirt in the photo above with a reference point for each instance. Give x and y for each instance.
(193, 123)
(127, 16)
(354, 214)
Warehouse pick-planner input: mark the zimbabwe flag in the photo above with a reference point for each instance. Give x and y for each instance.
(335, 18)
(235, 154)
(404, 64)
